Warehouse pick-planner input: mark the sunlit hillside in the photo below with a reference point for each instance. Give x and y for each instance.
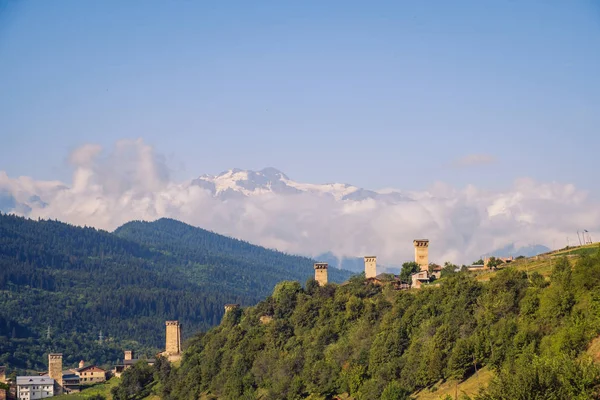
(542, 263)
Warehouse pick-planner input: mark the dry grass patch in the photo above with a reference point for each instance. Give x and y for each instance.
(470, 386)
(594, 349)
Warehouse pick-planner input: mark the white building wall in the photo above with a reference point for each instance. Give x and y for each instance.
(34, 391)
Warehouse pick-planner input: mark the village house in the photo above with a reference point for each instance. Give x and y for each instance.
(382, 279)
(436, 270)
(71, 382)
(419, 278)
(34, 387)
(476, 267)
(503, 260)
(128, 362)
(389, 279)
(89, 374)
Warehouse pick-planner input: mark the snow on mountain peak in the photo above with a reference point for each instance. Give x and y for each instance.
(237, 182)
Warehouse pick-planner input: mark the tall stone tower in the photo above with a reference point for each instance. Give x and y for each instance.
(370, 267)
(128, 355)
(422, 253)
(321, 273)
(55, 370)
(173, 342)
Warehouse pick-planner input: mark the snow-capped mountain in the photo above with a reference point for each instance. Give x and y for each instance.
(243, 183)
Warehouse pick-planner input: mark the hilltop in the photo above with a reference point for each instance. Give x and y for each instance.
(62, 286)
(528, 336)
(542, 263)
(221, 261)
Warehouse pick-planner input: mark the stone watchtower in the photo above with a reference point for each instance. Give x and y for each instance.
(173, 342)
(422, 253)
(321, 273)
(128, 355)
(370, 267)
(55, 371)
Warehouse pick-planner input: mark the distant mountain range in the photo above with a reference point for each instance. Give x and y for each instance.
(511, 250)
(354, 264)
(237, 183)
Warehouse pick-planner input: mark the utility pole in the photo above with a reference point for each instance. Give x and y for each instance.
(476, 372)
(588, 241)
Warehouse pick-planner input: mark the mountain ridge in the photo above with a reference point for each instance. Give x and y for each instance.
(237, 182)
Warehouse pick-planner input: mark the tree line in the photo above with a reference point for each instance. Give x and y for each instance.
(373, 343)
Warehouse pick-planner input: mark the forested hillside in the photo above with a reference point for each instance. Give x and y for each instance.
(210, 257)
(365, 342)
(80, 282)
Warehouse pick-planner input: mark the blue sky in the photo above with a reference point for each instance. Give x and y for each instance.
(377, 94)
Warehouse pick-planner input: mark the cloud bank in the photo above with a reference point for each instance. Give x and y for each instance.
(131, 181)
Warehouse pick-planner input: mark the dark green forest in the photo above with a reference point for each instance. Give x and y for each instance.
(369, 342)
(76, 283)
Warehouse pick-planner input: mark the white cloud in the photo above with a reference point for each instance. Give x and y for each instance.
(471, 160)
(131, 181)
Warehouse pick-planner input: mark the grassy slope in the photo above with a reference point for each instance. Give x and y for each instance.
(469, 387)
(594, 349)
(543, 263)
(102, 389)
